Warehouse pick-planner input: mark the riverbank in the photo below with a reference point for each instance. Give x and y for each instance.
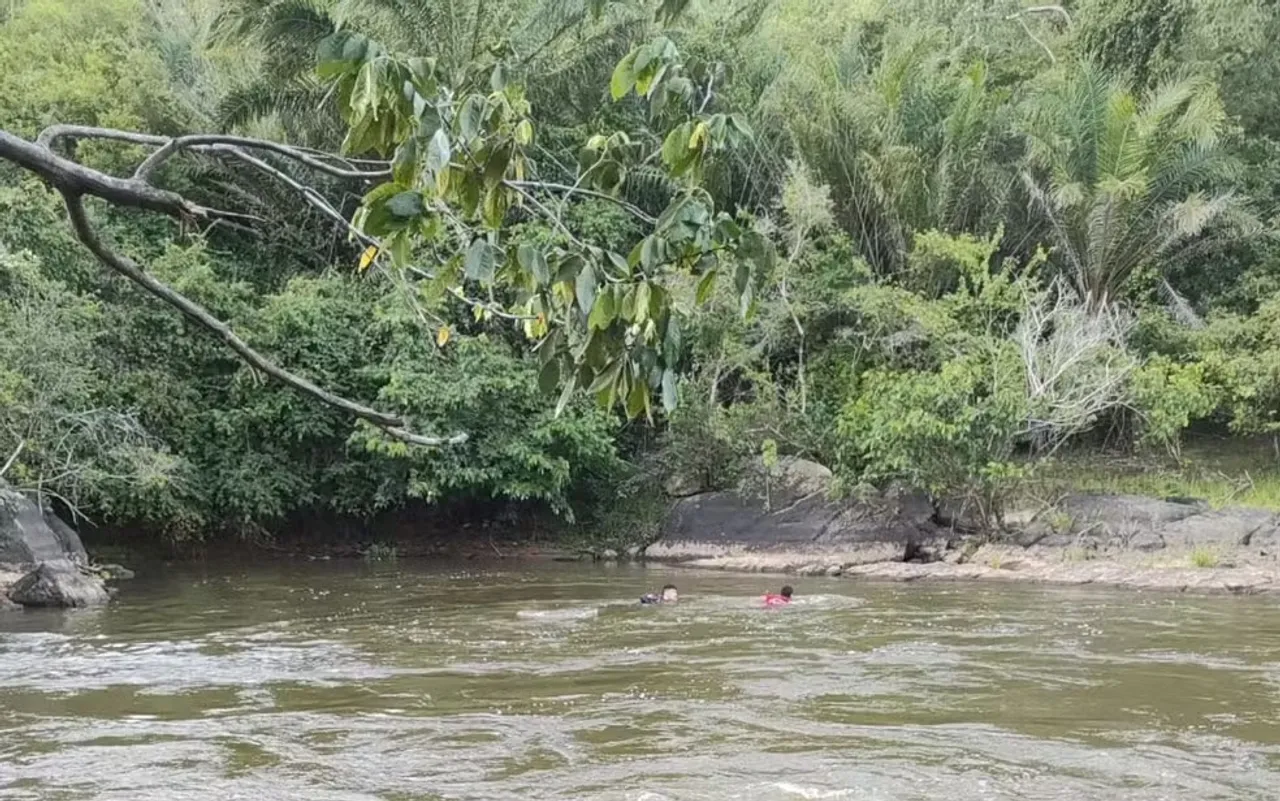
(1080, 538)
(1133, 541)
(1001, 563)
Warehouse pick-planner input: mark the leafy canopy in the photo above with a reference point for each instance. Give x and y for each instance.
(462, 151)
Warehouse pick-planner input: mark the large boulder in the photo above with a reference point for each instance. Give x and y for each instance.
(59, 584)
(1120, 514)
(42, 560)
(796, 517)
(29, 535)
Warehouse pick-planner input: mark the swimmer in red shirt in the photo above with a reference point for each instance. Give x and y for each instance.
(781, 599)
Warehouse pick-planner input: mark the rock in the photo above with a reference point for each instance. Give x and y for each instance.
(679, 485)
(59, 584)
(29, 536)
(114, 572)
(609, 555)
(835, 570)
(802, 477)
(67, 537)
(1228, 528)
(635, 552)
(1123, 513)
(1147, 540)
(799, 520)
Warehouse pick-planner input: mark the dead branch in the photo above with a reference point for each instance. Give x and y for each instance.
(1049, 9)
(75, 181)
(569, 191)
(13, 457)
(1074, 361)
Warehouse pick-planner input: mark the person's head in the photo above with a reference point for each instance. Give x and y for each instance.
(786, 591)
(669, 592)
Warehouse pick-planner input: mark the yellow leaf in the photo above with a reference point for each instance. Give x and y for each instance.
(442, 336)
(366, 258)
(524, 133)
(698, 137)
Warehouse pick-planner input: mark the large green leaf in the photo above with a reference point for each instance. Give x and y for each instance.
(566, 395)
(606, 377)
(471, 117)
(340, 52)
(406, 205)
(637, 399)
(671, 342)
(480, 261)
(624, 76)
(532, 261)
(495, 206)
(405, 163)
(670, 397)
(439, 151)
(706, 287)
(585, 288)
(549, 376)
(603, 311)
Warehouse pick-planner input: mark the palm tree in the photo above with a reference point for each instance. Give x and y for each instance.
(1121, 183)
(909, 133)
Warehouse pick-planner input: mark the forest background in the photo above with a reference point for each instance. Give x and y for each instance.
(1012, 250)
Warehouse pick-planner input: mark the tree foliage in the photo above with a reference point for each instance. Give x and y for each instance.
(621, 242)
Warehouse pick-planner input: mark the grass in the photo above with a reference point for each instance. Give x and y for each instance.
(1221, 472)
(1204, 557)
(1077, 554)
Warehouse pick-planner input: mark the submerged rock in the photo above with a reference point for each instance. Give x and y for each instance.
(114, 572)
(59, 584)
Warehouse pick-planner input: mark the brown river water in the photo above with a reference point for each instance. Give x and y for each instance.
(412, 680)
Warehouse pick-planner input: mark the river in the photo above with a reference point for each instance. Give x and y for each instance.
(401, 681)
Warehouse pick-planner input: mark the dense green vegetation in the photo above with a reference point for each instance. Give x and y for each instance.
(942, 243)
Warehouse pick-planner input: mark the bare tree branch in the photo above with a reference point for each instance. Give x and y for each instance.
(67, 176)
(390, 423)
(13, 457)
(1074, 360)
(630, 208)
(152, 162)
(74, 181)
(311, 195)
(1049, 9)
(170, 146)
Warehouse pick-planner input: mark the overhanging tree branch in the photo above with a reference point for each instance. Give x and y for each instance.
(75, 181)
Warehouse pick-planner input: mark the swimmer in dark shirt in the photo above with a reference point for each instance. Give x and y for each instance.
(781, 599)
(668, 596)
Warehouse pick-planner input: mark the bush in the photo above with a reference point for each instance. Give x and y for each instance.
(951, 431)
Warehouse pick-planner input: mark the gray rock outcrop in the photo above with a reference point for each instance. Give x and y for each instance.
(1118, 540)
(42, 560)
(29, 536)
(796, 516)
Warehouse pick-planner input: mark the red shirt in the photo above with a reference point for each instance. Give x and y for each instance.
(776, 600)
